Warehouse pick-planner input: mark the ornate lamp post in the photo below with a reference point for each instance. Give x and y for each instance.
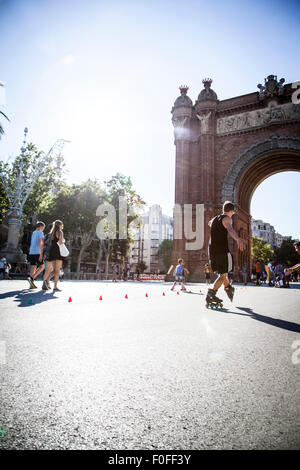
(18, 195)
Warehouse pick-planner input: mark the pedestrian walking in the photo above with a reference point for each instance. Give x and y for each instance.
(35, 256)
(245, 272)
(2, 268)
(7, 268)
(258, 273)
(53, 257)
(207, 273)
(128, 267)
(115, 269)
(271, 276)
(221, 259)
(287, 277)
(279, 270)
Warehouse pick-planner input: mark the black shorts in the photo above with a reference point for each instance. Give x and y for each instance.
(34, 260)
(221, 263)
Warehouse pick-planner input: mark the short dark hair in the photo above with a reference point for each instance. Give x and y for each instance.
(297, 244)
(180, 260)
(228, 206)
(40, 224)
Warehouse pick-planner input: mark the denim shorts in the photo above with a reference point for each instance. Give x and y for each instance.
(179, 278)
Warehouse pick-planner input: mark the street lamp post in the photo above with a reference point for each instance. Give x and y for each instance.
(17, 197)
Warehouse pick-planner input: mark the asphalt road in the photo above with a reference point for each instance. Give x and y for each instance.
(156, 372)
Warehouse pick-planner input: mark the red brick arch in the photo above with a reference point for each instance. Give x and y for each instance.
(225, 149)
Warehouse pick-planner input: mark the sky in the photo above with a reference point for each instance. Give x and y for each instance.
(105, 74)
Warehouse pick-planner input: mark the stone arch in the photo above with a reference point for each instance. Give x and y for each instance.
(256, 163)
(253, 165)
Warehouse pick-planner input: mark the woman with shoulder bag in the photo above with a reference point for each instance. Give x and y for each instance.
(54, 257)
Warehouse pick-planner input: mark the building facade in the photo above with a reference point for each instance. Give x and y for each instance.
(267, 232)
(263, 230)
(280, 238)
(153, 228)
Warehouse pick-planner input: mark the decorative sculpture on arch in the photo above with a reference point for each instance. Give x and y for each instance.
(204, 122)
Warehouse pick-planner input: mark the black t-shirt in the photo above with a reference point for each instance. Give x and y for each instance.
(218, 235)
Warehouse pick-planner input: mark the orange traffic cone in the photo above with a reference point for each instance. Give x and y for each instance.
(126, 297)
(146, 295)
(164, 294)
(177, 292)
(70, 299)
(100, 298)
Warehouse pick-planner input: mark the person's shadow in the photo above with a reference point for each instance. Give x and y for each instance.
(27, 298)
(284, 324)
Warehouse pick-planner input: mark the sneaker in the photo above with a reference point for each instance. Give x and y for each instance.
(56, 289)
(31, 283)
(172, 288)
(183, 288)
(45, 285)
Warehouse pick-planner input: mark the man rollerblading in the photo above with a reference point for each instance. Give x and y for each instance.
(221, 259)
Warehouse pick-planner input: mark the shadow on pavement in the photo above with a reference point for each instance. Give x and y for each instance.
(23, 297)
(285, 325)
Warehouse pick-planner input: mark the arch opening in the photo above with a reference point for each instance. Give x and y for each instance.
(264, 167)
(273, 209)
(251, 167)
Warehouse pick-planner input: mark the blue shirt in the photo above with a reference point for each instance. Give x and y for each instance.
(35, 242)
(179, 270)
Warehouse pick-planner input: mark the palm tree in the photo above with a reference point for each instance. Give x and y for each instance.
(1, 128)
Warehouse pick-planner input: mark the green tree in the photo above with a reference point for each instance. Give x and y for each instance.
(165, 253)
(141, 266)
(76, 206)
(41, 192)
(286, 253)
(120, 186)
(261, 251)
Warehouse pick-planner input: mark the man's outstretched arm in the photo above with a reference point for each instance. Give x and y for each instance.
(294, 268)
(227, 222)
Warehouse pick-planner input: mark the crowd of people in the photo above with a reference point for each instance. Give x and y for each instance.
(273, 274)
(47, 253)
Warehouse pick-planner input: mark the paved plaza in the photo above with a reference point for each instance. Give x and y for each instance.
(156, 372)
